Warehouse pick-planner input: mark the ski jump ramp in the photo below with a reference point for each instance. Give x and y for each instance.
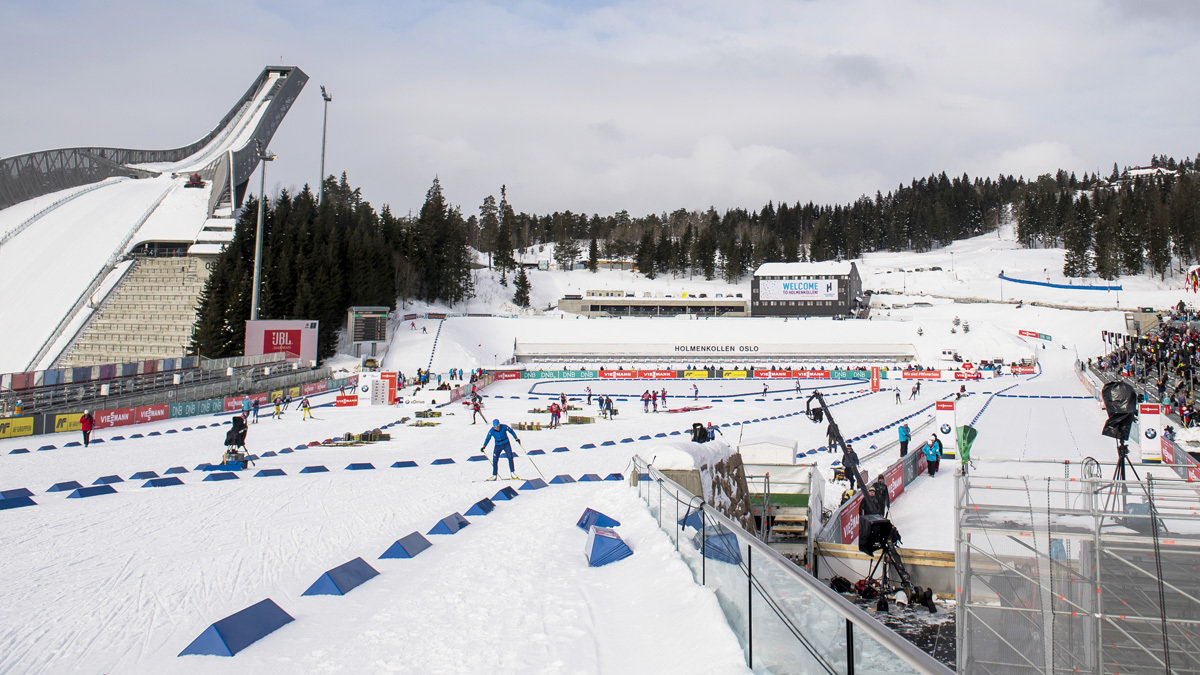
(68, 217)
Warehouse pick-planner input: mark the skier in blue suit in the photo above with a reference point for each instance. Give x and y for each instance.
(499, 434)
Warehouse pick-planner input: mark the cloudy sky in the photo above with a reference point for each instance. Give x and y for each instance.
(599, 106)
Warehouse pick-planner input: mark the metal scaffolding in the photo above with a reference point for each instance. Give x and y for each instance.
(1080, 574)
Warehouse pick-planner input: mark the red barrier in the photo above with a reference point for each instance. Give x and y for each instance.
(313, 388)
(346, 401)
(619, 374)
(118, 417)
(921, 374)
(507, 375)
(773, 374)
(151, 413)
(958, 375)
(810, 374)
(894, 479)
(850, 522)
(656, 374)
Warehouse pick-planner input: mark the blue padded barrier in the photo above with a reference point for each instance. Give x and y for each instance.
(172, 431)
(609, 443)
(694, 518)
(561, 479)
(18, 451)
(605, 546)
(536, 452)
(15, 493)
(593, 518)
(481, 508)
(360, 466)
(642, 438)
(589, 477)
(477, 458)
(505, 494)
(106, 480)
(269, 472)
(116, 438)
(137, 436)
(239, 630)
(64, 486)
(720, 546)
(92, 491)
(587, 446)
(660, 435)
(143, 475)
(318, 468)
(163, 482)
(154, 433)
(407, 547)
(535, 484)
(285, 451)
(562, 449)
(220, 475)
(450, 524)
(626, 440)
(614, 476)
(72, 444)
(16, 502)
(343, 578)
(444, 460)
(176, 469)
(270, 453)
(202, 467)
(404, 464)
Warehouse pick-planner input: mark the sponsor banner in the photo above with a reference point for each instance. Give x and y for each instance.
(234, 403)
(798, 289)
(921, 374)
(68, 422)
(295, 338)
(810, 374)
(151, 413)
(922, 463)
(312, 388)
(1022, 370)
(959, 375)
(874, 378)
(656, 374)
(773, 374)
(894, 479)
(390, 379)
(909, 464)
(507, 375)
(294, 392)
(695, 374)
(850, 519)
(556, 374)
(945, 424)
(1167, 448)
(118, 417)
(619, 374)
(277, 394)
(346, 401)
(12, 427)
(1034, 334)
(1149, 426)
(185, 409)
(849, 374)
(352, 381)
(733, 374)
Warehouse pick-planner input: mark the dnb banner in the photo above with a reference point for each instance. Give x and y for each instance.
(296, 338)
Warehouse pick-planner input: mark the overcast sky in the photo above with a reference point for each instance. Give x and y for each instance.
(646, 106)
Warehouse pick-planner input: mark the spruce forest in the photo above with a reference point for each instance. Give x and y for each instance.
(320, 259)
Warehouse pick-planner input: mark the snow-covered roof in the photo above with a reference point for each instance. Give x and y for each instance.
(776, 269)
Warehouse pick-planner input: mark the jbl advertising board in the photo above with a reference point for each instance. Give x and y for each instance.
(296, 338)
(798, 289)
(1150, 426)
(947, 427)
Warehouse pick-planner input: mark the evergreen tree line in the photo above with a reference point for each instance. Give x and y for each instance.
(319, 260)
(1120, 225)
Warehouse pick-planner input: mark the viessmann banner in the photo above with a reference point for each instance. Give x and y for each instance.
(798, 289)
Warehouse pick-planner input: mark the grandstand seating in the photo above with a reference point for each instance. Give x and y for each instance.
(148, 316)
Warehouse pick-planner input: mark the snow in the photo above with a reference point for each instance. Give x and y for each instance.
(123, 582)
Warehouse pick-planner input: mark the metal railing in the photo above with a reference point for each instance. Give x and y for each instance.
(785, 620)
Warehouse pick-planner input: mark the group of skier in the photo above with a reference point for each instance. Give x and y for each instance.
(651, 398)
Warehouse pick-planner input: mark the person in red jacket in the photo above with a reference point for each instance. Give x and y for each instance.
(86, 424)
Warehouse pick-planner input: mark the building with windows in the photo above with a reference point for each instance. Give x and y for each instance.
(807, 289)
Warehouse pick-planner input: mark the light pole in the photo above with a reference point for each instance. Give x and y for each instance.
(264, 156)
(324, 121)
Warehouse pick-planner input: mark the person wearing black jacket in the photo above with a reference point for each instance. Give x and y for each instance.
(874, 503)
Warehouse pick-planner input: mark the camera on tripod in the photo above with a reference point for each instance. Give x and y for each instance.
(876, 532)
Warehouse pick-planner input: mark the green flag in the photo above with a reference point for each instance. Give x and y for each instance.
(966, 437)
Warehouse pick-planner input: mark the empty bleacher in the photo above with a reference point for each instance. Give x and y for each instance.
(148, 316)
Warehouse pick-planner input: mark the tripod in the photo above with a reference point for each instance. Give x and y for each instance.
(889, 555)
(1120, 499)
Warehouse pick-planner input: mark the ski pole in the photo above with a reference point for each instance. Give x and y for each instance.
(535, 466)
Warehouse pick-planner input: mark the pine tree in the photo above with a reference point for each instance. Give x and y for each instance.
(503, 258)
(521, 289)
(646, 254)
(566, 250)
(1078, 239)
(593, 263)
(489, 226)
